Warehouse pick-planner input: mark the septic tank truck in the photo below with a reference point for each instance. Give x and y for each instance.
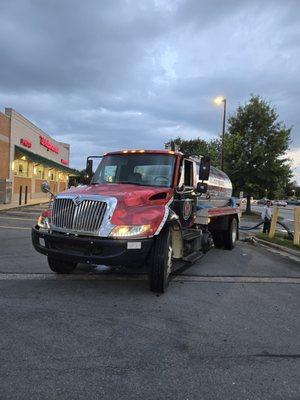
(155, 208)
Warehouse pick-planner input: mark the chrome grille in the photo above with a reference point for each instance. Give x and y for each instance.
(85, 217)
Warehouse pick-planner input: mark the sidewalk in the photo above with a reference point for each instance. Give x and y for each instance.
(33, 202)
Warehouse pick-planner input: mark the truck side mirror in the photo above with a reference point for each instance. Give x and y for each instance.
(89, 168)
(45, 187)
(204, 168)
(201, 187)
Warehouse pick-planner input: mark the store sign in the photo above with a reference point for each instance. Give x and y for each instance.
(65, 162)
(49, 146)
(26, 143)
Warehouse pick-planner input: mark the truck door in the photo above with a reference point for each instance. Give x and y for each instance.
(188, 173)
(184, 205)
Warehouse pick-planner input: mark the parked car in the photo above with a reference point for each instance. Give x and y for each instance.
(293, 202)
(239, 201)
(280, 203)
(263, 201)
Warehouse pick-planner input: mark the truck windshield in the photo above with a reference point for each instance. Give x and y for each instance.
(138, 169)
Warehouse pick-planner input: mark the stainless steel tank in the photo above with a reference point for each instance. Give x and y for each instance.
(219, 190)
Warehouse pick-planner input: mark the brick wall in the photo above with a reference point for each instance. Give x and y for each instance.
(62, 186)
(19, 181)
(4, 145)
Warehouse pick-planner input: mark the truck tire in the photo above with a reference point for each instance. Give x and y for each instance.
(61, 267)
(161, 262)
(230, 236)
(218, 239)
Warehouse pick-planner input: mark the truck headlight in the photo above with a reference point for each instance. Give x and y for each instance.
(123, 231)
(43, 222)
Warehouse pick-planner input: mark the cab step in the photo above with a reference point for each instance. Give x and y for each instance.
(193, 257)
(191, 234)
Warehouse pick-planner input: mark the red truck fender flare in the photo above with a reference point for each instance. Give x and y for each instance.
(170, 219)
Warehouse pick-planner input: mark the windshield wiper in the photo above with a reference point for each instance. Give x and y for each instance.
(132, 183)
(125, 183)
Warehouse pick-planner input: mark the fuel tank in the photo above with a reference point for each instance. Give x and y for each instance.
(219, 190)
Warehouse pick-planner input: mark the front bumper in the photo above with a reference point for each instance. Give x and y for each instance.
(90, 250)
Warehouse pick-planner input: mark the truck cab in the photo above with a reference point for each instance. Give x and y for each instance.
(158, 208)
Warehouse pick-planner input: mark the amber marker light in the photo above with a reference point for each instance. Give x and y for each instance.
(171, 152)
(133, 151)
(125, 151)
(142, 151)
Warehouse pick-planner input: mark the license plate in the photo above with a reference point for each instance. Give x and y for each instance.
(134, 245)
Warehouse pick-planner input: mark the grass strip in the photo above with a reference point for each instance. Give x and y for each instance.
(280, 239)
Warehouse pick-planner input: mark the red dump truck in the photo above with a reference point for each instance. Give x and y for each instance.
(154, 208)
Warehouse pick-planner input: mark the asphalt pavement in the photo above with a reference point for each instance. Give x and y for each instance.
(228, 327)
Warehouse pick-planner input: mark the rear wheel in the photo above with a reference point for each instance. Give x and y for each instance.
(230, 236)
(161, 262)
(218, 239)
(61, 267)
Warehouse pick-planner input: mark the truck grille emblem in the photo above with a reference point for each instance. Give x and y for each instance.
(76, 200)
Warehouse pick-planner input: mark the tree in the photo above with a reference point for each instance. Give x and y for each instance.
(292, 189)
(79, 177)
(201, 147)
(255, 150)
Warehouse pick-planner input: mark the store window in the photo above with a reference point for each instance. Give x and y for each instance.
(52, 175)
(21, 167)
(39, 171)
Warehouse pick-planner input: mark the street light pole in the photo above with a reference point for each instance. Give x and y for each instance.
(223, 134)
(218, 101)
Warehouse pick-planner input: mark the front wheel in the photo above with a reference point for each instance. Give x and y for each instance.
(230, 236)
(61, 267)
(161, 262)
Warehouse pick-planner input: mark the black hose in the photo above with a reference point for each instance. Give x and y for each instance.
(290, 234)
(246, 228)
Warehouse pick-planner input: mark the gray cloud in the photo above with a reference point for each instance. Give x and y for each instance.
(114, 74)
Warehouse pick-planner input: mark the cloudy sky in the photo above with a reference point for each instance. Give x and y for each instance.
(110, 74)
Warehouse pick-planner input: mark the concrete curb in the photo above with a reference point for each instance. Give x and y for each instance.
(278, 247)
(6, 207)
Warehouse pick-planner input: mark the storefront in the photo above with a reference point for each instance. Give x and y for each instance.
(28, 157)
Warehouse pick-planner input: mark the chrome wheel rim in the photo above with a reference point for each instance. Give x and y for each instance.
(169, 261)
(234, 232)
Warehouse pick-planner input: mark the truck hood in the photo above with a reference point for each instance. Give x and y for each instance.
(129, 194)
(136, 205)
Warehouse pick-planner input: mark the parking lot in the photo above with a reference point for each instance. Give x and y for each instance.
(228, 327)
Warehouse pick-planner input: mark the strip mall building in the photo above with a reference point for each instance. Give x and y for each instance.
(28, 157)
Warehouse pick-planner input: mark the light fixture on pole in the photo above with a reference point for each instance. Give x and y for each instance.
(219, 100)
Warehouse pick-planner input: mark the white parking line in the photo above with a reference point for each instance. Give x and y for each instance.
(22, 212)
(143, 277)
(23, 219)
(15, 227)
